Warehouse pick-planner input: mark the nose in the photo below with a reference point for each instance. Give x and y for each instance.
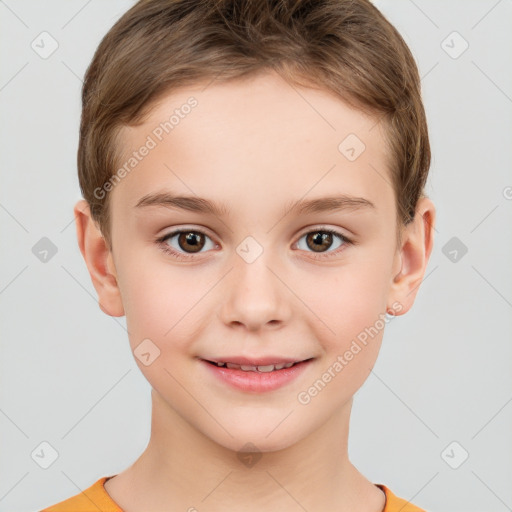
(254, 296)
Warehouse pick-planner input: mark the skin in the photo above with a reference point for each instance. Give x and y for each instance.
(256, 145)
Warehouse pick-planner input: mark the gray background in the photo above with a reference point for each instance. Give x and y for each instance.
(444, 372)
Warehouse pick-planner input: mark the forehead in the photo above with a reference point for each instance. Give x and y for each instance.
(257, 141)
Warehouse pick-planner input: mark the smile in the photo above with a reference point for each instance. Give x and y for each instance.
(256, 378)
(250, 368)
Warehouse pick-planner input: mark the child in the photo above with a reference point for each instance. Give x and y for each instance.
(286, 143)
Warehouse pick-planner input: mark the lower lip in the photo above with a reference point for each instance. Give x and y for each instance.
(257, 382)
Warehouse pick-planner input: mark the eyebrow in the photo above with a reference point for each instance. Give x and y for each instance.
(201, 205)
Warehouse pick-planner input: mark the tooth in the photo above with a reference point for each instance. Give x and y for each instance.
(248, 368)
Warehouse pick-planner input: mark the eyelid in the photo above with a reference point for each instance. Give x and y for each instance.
(320, 227)
(176, 229)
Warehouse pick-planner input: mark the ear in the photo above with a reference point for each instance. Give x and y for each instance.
(412, 257)
(99, 260)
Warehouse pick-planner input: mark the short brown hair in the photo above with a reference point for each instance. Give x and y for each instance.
(344, 46)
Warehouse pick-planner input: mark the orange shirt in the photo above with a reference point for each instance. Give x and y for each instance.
(96, 499)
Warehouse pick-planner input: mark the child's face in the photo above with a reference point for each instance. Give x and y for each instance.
(256, 147)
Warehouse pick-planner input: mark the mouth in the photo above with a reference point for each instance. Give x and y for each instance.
(257, 378)
(262, 368)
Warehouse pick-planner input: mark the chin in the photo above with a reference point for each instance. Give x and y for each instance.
(256, 438)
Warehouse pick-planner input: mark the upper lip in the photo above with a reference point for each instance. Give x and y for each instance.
(259, 361)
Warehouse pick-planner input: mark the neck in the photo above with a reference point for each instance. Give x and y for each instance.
(182, 469)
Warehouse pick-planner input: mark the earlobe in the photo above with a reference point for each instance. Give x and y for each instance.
(98, 259)
(417, 244)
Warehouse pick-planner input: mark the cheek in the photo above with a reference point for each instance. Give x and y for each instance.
(154, 299)
(352, 303)
(348, 299)
(168, 306)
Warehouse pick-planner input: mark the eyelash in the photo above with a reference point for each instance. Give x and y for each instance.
(186, 257)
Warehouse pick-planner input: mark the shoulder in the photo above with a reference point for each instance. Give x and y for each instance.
(92, 499)
(396, 504)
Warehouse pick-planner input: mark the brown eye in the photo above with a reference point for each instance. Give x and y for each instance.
(322, 240)
(319, 240)
(185, 244)
(191, 241)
